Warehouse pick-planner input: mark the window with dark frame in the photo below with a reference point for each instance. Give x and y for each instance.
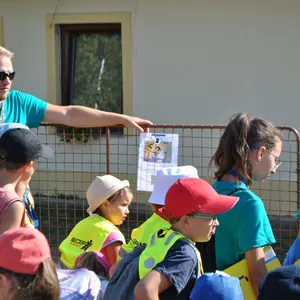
(91, 67)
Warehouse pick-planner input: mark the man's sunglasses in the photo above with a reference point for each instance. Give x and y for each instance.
(10, 75)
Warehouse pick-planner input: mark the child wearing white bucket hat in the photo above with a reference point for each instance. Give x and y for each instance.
(164, 179)
(108, 199)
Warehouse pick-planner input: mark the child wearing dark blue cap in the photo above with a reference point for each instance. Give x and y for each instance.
(281, 283)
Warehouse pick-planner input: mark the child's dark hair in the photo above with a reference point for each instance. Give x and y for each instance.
(10, 166)
(43, 285)
(242, 135)
(90, 261)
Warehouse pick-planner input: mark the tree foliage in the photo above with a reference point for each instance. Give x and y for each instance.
(98, 71)
(97, 78)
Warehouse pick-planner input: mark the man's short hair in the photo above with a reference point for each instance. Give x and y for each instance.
(5, 53)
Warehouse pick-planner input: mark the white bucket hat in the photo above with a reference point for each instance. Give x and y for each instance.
(165, 178)
(101, 189)
(8, 126)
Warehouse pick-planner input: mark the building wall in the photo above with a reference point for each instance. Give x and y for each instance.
(190, 58)
(193, 61)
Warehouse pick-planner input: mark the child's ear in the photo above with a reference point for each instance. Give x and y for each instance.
(261, 151)
(185, 220)
(28, 166)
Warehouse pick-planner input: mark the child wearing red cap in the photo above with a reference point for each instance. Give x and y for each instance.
(170, 263)
(26, 268)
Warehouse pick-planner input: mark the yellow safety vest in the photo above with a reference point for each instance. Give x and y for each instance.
(297, 262)
(88, 234)
(141, 235)
(157, 249)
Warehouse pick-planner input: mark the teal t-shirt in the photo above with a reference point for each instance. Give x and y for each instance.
(24, 108)
(246, 226)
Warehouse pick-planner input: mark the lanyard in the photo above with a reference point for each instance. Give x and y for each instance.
(2, 113)
(237, 175)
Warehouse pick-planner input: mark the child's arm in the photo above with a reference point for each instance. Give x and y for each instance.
(12, 216)
(151, 286)
(20, 188)
(176, 273)
(111, 252)
(293, 254)
(254, 232)
(23, 183)
(256, 266)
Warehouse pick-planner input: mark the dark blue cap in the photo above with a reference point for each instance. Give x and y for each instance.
(217, 286)
(20, 145)
(281, 283)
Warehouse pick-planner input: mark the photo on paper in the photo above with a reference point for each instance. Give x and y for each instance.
(156, 151)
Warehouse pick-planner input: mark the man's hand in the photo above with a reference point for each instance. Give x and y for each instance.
(137, 123)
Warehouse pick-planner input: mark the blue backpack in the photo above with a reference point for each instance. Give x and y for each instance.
(122, 284)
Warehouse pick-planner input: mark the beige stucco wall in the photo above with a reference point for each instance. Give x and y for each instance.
(193, 62)
(200, 55)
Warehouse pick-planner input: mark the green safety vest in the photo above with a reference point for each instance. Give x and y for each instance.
(88, 234)
(157, 249)
(141, 235)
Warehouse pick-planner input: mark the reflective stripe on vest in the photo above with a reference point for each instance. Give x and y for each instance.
(88, 234)
(140, 235)
(157, 249)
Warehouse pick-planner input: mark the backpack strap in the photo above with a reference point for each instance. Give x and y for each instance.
(30, 210)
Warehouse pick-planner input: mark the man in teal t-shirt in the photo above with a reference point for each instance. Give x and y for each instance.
(19, 107)
(23, 108)
(246, 226)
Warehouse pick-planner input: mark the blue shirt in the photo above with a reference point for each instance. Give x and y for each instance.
(293, 254)
(24, 108)
(180, 266)
(244, 227)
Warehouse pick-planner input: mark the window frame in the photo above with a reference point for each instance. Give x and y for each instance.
(53, 52)
(67, 36)
(1, 32)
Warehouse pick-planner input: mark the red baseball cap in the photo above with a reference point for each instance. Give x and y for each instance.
(188, 195)
(23, 250)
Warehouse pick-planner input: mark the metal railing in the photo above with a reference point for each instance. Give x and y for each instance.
(59, 185)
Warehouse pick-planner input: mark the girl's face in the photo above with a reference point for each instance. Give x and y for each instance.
(117, 210)
(265, 162)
